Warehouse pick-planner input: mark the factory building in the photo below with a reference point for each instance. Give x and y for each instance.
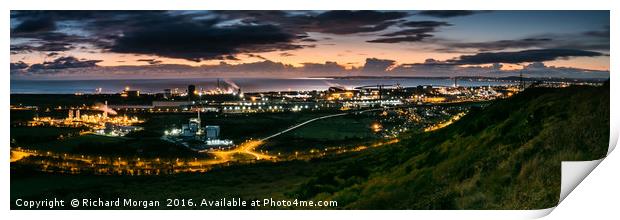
(167, 93)
(191, 91)
(193, 130)
(112, 129)
(212, 131)
(127, 92)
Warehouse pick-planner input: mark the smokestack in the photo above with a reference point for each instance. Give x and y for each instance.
(191, 89)
(105, 112)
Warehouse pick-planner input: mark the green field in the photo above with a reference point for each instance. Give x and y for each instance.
(91, 144)
(337, 128)
(347, 130)
(73, 144)
(22, 115)
(33, 136)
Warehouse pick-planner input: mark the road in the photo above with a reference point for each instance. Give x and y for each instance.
(250, 146)
(318, 118)
(302, 124)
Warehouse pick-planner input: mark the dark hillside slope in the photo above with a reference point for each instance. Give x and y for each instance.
(506, 156)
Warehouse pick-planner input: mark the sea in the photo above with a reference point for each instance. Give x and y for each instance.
(245, 84)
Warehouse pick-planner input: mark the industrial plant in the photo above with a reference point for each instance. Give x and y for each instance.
(197, 137)
(105, 123)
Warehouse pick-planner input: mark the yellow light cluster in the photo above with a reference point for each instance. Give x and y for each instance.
(445, 123)
(437, 99)
(92, 121)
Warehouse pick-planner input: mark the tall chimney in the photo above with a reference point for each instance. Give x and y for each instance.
(105, 110)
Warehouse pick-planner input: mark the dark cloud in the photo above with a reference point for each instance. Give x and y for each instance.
(597, 40)
(198, 41)
(51, 37)
(150, 61)
(228, 57)
(19, 65)
(515, 57)
(374, 65)
(45, 47)
(256, 56)
(418, 31)
(48, 42)
(430, 62)
(35, 25)
(266, 66)
(598, 33)
(409, 32)
(193, 36)
(497, 66)
(64, 63)
(425, 24)
(62, 15)
(253, 17)
(332, 22)
(327, 67)
(102, 22)
(501, 44)
(55, 46)
(535, 65)
(21, 48)
(42, 28)
(539, 55)
(196, 36)
(350, 22)
(414, 38)
(536, 69)
(447, 13)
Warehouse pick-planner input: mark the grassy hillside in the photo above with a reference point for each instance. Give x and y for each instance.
(505, 156)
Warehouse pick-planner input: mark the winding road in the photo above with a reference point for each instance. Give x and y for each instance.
(315, 119)
(250, 146)
(302, 124)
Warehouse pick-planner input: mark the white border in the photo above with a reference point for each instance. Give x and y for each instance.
(596, 196)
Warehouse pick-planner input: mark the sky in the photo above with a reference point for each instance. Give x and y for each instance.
(177, 44)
